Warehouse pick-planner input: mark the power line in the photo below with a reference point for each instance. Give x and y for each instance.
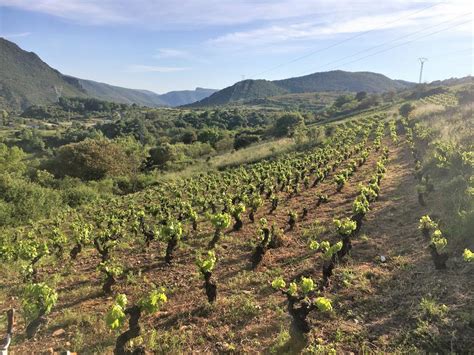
(453, 52)
(402, 44)
(344, 40)
(380, 45)
(387, 42)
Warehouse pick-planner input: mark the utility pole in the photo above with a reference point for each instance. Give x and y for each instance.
(422, 62)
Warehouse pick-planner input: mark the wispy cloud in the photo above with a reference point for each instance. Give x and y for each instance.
(166, 53)
(343, 24)
(88, 12)
(15, 35)
(155, 69)
(204, 13)
(164, 13)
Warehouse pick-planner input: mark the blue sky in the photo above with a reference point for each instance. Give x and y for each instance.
(165, 45)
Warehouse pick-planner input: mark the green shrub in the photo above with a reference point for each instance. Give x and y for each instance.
(93, 159)
(79, 195)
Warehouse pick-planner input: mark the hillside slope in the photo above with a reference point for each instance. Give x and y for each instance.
(243, 90)
(113, 93)
(26, 80)
(143, 97)
(337, 80)
(184, 97)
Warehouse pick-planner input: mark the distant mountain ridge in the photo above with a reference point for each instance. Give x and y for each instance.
(113, 93)
(183, 97)
(336, 80)
(26, 80)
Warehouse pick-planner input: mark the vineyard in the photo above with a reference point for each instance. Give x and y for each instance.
(348, 246)
(446, 100)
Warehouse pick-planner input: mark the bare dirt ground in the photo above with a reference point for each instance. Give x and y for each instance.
(376, 304)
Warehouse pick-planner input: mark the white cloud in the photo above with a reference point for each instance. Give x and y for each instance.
(203, 13)
(165, 53)
(15, 35)
(155, 69)
(341, 24)
(76, 10)
(164, 13)
(260, 22)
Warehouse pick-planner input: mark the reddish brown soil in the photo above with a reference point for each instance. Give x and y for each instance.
(376, 305)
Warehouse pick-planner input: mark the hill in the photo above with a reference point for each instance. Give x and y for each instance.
(337, 80)
(26, 80)
(184, 97)
(118, 94)
(243, 91)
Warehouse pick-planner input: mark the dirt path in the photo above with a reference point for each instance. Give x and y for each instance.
(382, 305)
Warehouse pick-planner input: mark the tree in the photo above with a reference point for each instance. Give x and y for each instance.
(341, 100)
(361, 95)
(162, 154)
(466, 96)
(389, 95)
(287, 124)
(189, 137)
(236, 121)
(244, 140)
(405, 109)
(11, 160)
(210, 135)
(30, 140)
(369, 101)
(93, 159)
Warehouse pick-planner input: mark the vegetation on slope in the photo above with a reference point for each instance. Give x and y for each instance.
(337, 80)
(316, 249)
(26, 80)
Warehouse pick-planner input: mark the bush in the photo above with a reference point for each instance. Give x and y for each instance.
(210, 135)
(189, 137)
(361, 95)
(11, 160)
(79, 195)
(244, 140)
(195, 150)
(405, 109)
(342, 100)
(162, 154)
(22, 200)
(93, 159)
(287, 124)
(466, 96)
(131, 184)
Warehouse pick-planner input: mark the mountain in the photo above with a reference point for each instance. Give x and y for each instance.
(26, 80)
(184, 97)
(113, 93)
(243, 90)
(108, 92)
(336, 80)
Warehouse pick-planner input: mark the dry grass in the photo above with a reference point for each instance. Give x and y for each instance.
(423, 111)
(253, 153)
